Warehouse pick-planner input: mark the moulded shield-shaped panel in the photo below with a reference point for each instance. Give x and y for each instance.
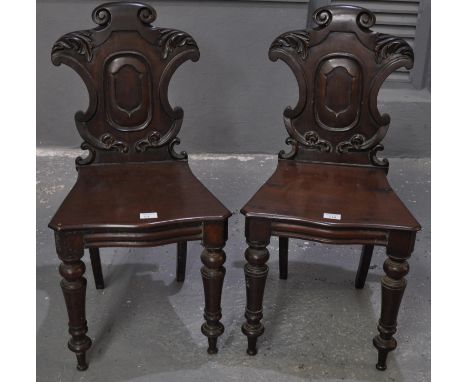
(338, 88)
(128, 92)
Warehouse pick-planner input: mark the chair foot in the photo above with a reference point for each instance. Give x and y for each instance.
(283, 257)
(364, 264)
(70, 250)
(213, 273)
(383, 347)
(252, 346)
(81, 365)
(97, 267)
(393, 287)
(256, 272)
(181, 260)
(212, 348)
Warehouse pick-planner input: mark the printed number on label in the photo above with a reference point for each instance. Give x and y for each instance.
(148, 215)
(326, 215)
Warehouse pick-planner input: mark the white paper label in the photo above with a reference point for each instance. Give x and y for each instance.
(326, 215)
(148, 215)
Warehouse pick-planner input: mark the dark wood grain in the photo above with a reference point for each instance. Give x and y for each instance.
(303, 192)
(107, 196)
(130, 131)
(335, 133)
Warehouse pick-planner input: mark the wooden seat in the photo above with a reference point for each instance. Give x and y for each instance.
(305, 192)
(133, 188)
(331, 187)
(113, 197)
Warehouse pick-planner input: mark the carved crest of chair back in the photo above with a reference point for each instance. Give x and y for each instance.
(126, 64)
(340, 66)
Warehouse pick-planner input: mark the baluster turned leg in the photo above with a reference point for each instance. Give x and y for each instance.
(213, 258)
(364, 264)
(256, 272)
(283, 257)
(181, 260)
(393, 287)
(97, 268)
(70, 251)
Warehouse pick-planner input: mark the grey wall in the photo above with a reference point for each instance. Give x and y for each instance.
(233, 97)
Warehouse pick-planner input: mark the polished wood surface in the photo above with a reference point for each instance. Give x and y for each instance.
(305, 192)
(113, 196)
(331, 187)
(132, 168)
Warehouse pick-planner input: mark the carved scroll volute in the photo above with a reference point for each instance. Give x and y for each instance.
(177, 47)
(129, 112)
(391, 53)
(340, 66)
(294, 48)
(75, 49)
(289, 47)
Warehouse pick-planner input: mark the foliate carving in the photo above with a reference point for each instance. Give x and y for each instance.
(354, 144)
(121, 85)
(175, 155)
(171, 39)
(152, 140)
(294, 147)
(299, 41)
(359, 142)
(374, 159)
(111, 143)
(81, 42)
(90, 158)
(314, 141)
(387, 45)
(334, 94)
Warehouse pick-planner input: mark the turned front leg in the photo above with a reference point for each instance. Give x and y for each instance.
(213, 276)
(393, 287)
(70, 251)
(256, 272)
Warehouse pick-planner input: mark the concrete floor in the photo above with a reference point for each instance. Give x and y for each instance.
(146, 327)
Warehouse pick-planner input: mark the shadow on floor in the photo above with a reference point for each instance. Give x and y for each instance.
(317, 327)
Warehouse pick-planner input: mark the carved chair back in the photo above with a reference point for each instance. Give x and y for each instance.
(340, 66)
(126, 64)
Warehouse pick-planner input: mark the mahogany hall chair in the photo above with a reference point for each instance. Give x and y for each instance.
(331, 187)
(133, 188)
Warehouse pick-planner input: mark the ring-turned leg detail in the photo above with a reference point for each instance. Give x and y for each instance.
(213, 276)
(393, 287)
(70, 251)
(256, 272)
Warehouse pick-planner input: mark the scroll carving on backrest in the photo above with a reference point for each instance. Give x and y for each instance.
(340, 66)
(126, 64)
